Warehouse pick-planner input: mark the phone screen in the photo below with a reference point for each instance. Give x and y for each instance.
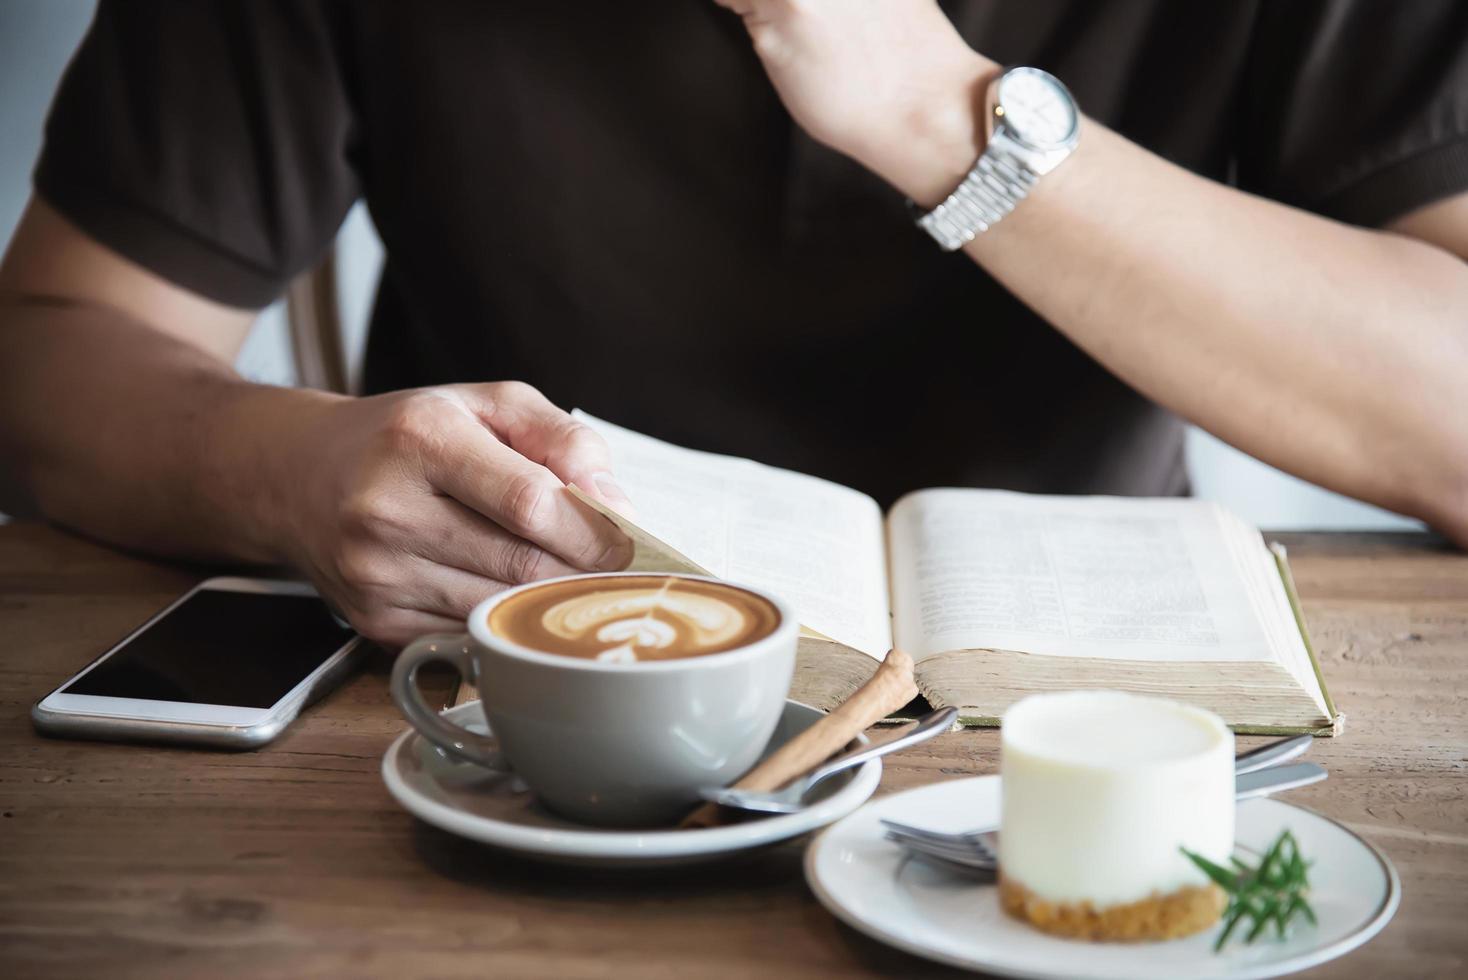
(244, 649)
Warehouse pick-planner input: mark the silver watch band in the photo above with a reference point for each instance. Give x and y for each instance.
(992, 188)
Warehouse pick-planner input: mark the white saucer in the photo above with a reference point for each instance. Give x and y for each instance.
(472, 802)
(868, 882)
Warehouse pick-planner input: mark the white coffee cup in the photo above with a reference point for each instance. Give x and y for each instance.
(618, 744)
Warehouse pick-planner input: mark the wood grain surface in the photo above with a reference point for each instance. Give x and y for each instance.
(125, 860)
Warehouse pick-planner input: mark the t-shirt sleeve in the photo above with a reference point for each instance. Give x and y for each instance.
(1357, 109)
(211, 143)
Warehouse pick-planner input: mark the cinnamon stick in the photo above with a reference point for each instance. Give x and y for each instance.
(891, 687)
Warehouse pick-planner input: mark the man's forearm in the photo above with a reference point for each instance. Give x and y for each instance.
(140, 438)
(1335, 352)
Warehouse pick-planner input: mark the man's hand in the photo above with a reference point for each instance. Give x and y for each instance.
(889, 83)
(410, 508)
(405, 509)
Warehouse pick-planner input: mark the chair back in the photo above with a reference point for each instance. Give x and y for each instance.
(314, 315)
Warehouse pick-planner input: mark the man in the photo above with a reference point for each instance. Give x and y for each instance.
(1261, 227)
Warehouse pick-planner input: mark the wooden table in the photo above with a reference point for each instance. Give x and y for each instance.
(126, 860)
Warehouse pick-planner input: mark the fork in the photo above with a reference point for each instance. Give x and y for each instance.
(978, 849)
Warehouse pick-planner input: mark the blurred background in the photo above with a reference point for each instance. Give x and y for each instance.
(37, 38)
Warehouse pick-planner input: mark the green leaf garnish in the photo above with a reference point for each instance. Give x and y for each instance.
(1274, 892)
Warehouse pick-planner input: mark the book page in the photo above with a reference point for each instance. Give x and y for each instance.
(816, 544)
(1273, 603)
(1111, 577)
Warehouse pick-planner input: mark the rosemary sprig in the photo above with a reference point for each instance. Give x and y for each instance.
(1276, 891)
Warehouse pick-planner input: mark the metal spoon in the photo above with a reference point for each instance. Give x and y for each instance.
(791, 798)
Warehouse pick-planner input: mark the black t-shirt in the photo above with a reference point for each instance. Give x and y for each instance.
(608, 201)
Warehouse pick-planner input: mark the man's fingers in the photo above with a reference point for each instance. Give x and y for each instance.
(523, 497)
(399, 627)
(535, 427)
(449, 533)
(438, 590)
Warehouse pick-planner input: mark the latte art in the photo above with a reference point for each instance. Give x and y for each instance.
(641, 632)
(632, 618)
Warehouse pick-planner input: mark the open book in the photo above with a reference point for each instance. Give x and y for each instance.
(994, 594)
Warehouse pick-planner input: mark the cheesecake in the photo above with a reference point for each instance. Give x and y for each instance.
(1101, 792)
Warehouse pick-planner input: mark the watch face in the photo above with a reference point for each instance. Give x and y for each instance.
(1036, 107)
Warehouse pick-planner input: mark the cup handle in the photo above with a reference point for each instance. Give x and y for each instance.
(457, 741)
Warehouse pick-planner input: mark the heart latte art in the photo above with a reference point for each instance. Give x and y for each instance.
(630, 618)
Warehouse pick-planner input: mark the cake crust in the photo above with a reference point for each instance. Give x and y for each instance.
(1179, 913)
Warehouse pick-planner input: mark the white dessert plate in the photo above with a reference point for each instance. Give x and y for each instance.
(872, 885)
(495, 809)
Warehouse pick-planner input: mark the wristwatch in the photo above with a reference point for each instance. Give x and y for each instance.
(1032, 125)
